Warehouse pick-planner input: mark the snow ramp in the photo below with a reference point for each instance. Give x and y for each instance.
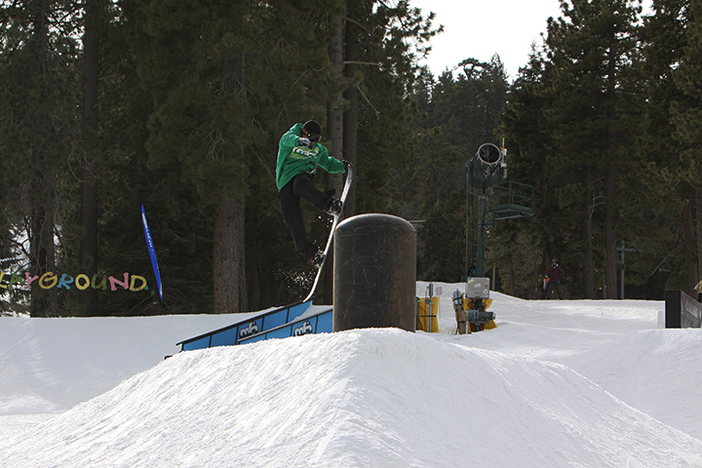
(361, 398)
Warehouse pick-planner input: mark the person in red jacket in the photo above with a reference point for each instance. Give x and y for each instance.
(555, 275)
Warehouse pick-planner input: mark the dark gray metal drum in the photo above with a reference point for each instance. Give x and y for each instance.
(375, 267)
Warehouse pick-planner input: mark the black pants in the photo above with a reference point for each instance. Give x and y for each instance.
(299, 187)
(554, 289)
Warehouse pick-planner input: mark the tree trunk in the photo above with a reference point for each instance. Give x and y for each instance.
(228, 258)
(611, 235)
(698, 203)
(42, 192)
(351, 115)
(88, 184)
(42, 251)
(335, 120)
(511, 275)
(335, 129)
(588, 268)
(690, 270)
(611, 154)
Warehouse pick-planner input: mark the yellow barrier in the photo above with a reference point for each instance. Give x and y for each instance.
(427, 315)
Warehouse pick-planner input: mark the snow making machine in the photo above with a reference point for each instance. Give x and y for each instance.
(471, 307)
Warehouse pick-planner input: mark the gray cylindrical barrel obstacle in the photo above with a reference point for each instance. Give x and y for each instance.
(375, 265)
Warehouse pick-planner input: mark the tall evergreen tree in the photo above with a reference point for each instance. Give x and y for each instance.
(686, 120)
(38, 102)
(592, 89)
(89, 150)
(529, 142)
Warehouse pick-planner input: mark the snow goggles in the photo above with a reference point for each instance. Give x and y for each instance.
(314, 138)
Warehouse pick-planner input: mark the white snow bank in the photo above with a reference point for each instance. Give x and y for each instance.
(384, 398)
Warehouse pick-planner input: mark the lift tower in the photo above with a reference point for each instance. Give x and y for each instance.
(485, 175)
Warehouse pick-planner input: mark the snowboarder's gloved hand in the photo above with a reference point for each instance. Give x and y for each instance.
(303, 141)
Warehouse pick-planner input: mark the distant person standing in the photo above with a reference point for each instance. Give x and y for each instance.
(555, 275)
(473, 270)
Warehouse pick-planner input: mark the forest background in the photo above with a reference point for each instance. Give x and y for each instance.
(179, 105)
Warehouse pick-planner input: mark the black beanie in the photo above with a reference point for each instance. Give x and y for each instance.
(312, 128)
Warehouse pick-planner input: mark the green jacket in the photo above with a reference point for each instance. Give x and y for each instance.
(294, 159)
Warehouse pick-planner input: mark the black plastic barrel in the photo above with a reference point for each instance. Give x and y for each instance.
(375, 267)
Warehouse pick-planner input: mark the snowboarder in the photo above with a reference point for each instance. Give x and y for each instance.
(299, 154)
(555, 275)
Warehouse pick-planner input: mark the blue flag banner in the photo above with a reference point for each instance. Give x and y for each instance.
(152, 253)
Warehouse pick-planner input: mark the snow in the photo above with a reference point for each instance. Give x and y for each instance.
(556, 384)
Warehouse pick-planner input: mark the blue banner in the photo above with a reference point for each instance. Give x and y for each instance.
(152, 253)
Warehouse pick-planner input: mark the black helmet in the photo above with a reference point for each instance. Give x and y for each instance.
(312, 130)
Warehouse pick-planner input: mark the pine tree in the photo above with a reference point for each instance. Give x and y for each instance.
(38, 101)
(686, 120)
(94, 14)
(593, 90)
(530, 143)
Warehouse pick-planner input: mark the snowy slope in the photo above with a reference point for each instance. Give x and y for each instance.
(50, 365)
(557, 384)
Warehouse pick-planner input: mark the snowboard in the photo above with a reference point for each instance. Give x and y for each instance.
(335, 221)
